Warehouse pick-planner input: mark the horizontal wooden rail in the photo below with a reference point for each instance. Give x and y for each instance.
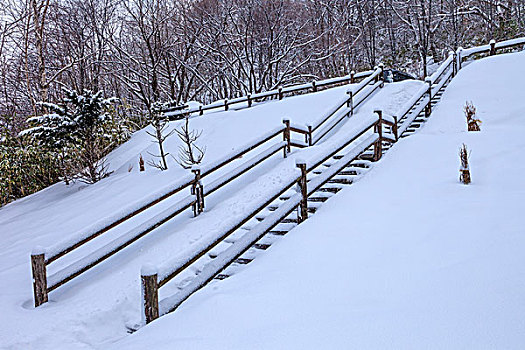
(71, 271)
(354, 102)
(366, 128)
(57, 253)
(376, 75)
(178, 112)
(491, 48)
(446, 71)
(170, 304)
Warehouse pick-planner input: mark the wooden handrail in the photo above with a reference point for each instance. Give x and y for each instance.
(359, 88)
(491, 48)
(83, 241)
(361, 99)
(151, 295)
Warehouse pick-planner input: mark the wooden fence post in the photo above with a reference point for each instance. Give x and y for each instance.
(302, 182)
(201, 112)
(38, 266)
(286, 137)
(376, 79)
(197, 190)
(460, 49)
(352, 77)
(310, 135)
(382, 74)
(350, 101)
(454, 63)
(249, 96)
(428, 109)
(394, 128)
(378, 145)
(314, 86)
(280, 92)
(492, 47)
(225, 104)
(150, 293)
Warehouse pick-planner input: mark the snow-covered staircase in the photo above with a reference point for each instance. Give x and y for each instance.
(423, 116)
(414, 117)
(344, 178)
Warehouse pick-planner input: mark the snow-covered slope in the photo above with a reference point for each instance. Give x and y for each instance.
(94, 309)
(407, 258)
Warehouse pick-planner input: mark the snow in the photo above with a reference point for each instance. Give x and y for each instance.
(96, 309)
(244, 167)
(148, 270)
(407, 258)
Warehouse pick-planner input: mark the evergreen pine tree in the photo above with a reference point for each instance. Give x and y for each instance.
(75, 128)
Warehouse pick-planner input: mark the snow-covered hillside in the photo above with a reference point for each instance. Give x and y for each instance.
(96, 308)
(407, 258)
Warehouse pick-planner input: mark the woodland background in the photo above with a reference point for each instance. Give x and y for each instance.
(148, 51)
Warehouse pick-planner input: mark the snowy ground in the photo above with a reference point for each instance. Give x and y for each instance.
(95, 309)
(407, 258)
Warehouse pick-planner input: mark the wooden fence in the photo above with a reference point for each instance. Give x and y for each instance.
(394, 125)
(179, 112)
(385, 128)
(371, 134)
(422, 100)
(41, 258)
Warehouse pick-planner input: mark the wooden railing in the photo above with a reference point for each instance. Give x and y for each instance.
(178, 112)
(372, 133)
(314, 132)
(386, 129)
(41, 258)
(422, 100)
(491, 49)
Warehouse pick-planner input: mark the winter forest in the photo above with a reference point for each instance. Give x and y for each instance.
(77, 77)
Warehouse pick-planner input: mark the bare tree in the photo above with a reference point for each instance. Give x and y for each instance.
(189, 153)
(160, 123)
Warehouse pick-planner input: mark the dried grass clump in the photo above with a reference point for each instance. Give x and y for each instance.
(464, 171)
(473, 123)
(141, 163)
